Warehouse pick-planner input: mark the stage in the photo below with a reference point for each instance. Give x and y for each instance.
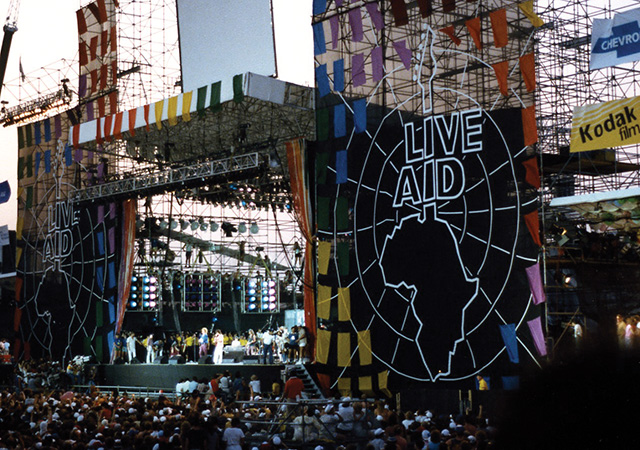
(166, 376)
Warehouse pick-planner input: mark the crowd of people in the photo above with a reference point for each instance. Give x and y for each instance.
(40, 411)
(281, 344)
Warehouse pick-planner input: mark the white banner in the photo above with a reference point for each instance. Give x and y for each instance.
(615, 41)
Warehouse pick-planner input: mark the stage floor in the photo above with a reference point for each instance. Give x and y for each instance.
(166, 376)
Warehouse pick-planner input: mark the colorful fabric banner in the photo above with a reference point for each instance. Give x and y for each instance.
(238, 93)
(448, 5)
(501, 70)
(377, 64)
(5, 192)
(187, 98)
(473, 25)
(158, 107)
(426, 8)
(319, 6)
(533, 225)
(324, 301)
(358, 76)
(201, 101)
(322, 124)
(528, 70)
(403, 52)
(364, 348)
(172, 111)
(344, 350)
(527, 10)
(334, 23)
(535, 284)
(450, 31)
(355, 22)
(605, 125)
(508, 333)
(323, 346)
(339, 121)
(127, 258)
(132, 121)
(338, 75)
(319, 43)
(324, 254)
(360, 115)
(341, 166)
(399, 11)
(322, 80)
(214, 101)
(535, 327)
(342, 254)
(529, 126)
(376, 17)
(499, 27)
(47, 130)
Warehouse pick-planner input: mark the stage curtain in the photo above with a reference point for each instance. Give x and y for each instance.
(364, 347)
(324, 302)
(324, 254)
(341, 166)
(535, 283)
(360, 115)
(344, 349)
(527, 9)
(399, 11)
(344, 304)
(528, 70)
(532, 175)
(533, 224)
(508, 333)
(187, 98)
(502, 71)
(473, 25)
(172, 111)
(324, 341)
(499, 27)
(375, 15)
(299, 178)
(158, 106)
(127, 257)
(117, 126)
(426, 9)
(403, 52)
(535, 327)
(529, 126)
(355, 22)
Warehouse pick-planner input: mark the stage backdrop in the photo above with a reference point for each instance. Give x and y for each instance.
(426, 201)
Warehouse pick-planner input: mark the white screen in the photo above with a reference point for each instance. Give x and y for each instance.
(223, 38)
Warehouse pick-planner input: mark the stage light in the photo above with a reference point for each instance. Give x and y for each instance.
(242, 228)
(174, 224)
(184, 225)
(194, 225)
(203, 226)
(254, 228)
(133, 304)
(214, 226)
(163, 224)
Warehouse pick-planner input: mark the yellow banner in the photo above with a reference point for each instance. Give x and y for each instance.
(605, 125)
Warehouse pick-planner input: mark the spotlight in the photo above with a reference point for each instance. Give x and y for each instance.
(203, 226)
(214, 226)
(194, 225)
(184, 224)
(174, 224)
(242, 228)
(254, 228)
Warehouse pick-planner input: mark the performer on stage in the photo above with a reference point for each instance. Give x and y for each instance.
(131, 347)
(218, 350)
(204, 342)
(151, 354)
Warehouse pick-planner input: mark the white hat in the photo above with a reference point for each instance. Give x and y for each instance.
(163, 419)
(378, 431)
(277, 440)
(319, 447)
(445, 432)
(426, 435)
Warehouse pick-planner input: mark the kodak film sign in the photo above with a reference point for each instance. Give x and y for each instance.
(606, 125)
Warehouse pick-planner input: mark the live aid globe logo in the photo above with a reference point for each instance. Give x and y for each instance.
(58, 244)
(434, 148)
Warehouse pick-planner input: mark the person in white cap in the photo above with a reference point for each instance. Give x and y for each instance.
(329, 420)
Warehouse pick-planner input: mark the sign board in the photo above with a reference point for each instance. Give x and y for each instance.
(615, 41)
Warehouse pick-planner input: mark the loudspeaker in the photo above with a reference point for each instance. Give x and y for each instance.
(119, 361)
(251, 359)
(176, 360)
(161, 360)
(205, 360)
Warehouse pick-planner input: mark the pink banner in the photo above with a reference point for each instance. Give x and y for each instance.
(535, 283)
(535, 327)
